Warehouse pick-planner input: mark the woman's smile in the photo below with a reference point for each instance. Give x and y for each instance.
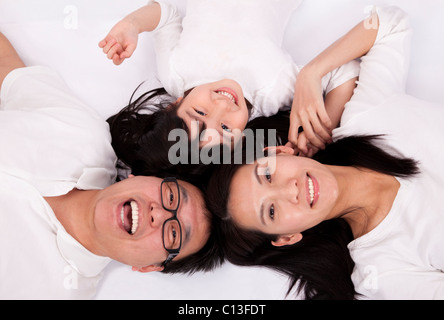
(312, 188)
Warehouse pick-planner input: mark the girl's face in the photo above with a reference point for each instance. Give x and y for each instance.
(219, 107)
(299, 194)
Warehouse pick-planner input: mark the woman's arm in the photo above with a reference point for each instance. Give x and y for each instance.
(356, 43)
(308, 108)
(383, 40)
(9, 59)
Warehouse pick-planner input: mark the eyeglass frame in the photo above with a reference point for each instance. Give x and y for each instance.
(172, 253)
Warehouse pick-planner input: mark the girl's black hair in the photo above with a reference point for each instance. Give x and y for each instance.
(319, 265)
(139, 135)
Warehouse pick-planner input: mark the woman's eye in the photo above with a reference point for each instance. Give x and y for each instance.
(271, 212)
(224, 127)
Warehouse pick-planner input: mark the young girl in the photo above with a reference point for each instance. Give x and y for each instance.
(365, 216)
(222, 66)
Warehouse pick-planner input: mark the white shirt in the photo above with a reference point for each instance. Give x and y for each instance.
(403, 257)
(51, 142)
(207, 46)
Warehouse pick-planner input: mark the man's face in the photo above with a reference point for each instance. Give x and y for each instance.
(139, 242)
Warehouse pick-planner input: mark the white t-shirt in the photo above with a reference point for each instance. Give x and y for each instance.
(51, 142)
(207, 46)
(403, 257)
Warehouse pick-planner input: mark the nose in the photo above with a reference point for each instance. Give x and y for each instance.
(223, 111)
(287, 191)
(158, 215)
(224, 103)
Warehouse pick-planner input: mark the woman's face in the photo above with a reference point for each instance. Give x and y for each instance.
(219, 107)
(299, 194)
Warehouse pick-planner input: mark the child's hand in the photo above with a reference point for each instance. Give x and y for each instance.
(120, 42)
(308, 112)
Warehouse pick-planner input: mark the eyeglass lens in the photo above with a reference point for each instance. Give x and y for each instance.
(172, 233)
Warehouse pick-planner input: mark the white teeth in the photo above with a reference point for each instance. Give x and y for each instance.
(311, 190)
(122, 213)
(226, 94)
(134, 216)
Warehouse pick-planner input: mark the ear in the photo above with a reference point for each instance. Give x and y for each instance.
(287, 240)
(149, 268)
(280, 150)
(178, 100)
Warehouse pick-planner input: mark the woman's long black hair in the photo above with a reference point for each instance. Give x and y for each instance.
(320, 265)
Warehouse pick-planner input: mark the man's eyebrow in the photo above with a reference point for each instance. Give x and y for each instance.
(184, 197)
(183, 194)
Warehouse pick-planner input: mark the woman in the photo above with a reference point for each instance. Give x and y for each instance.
(369, 203)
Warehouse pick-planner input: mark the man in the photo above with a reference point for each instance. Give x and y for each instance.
(61, 218)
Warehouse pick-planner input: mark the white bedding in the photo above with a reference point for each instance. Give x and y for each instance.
(63, 34)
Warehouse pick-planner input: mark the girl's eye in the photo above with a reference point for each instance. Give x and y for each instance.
(271, 212)
(224, 127)
(200, 112)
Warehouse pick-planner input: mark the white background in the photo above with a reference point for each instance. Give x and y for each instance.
(64, 34)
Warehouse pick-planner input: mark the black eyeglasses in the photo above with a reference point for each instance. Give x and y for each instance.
(171, 229)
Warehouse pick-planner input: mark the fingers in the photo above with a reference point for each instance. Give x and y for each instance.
(325, 119)
(114, 50)
(306, 149)
(107, 43)
(293, 131)
(317, 133)
(302, 144)
(117, 60)
(129, 50)
(102, 43)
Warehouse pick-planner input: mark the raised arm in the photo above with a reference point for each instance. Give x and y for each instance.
(383, 43)
(384, 68)
(9, 59)
(308, 109)
(121, 41)
(356, 43)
